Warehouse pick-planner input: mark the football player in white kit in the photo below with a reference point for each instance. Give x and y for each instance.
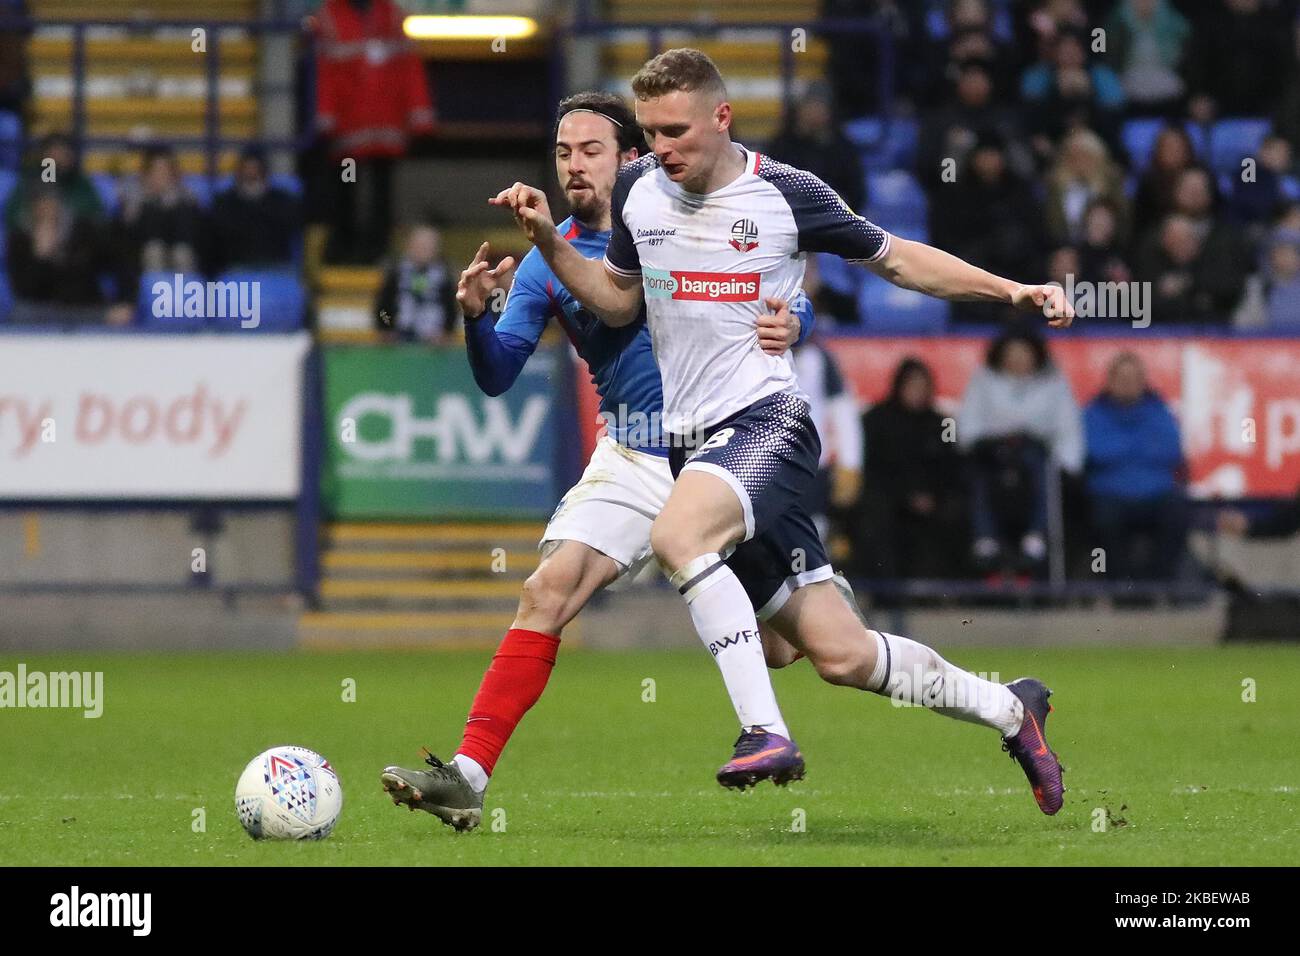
(704, 230)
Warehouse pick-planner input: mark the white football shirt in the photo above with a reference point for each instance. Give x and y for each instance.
(708, 261)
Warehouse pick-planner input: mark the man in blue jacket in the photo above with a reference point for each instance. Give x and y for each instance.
(1133, 465)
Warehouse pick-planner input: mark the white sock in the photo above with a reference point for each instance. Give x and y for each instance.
(908, 672)
(473, 772)
(725, 621)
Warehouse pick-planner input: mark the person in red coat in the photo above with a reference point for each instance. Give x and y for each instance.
(371, 97)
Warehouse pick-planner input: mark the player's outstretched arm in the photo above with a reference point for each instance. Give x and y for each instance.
(922, 268)
(615, 300)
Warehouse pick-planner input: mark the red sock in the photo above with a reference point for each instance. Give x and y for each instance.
(513, 683)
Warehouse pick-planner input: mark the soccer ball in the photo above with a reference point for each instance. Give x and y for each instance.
(289, 793)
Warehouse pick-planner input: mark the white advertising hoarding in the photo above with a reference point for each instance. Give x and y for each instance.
(126, 416)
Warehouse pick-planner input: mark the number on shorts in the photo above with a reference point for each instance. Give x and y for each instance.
(718, 439)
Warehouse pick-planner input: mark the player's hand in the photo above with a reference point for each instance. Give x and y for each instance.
(479, 280)
(778, 330)
(1050, 300)
(532, 212)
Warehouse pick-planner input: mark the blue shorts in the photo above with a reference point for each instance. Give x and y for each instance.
(767, 453)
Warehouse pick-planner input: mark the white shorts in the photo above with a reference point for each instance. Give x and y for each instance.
(612, 506)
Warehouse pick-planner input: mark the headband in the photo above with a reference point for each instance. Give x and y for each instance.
(583, 109)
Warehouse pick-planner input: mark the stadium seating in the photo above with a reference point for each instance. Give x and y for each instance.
(6, 296)
(1139, 138)
(1231, 140)
(144, 83)
(282, 301)
(11, 141)
(887, 308)
(897, 200)
(145, 317)
(8, 180)
(886, 143)
(106, 185)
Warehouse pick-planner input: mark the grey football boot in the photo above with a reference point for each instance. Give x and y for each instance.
(441, 790)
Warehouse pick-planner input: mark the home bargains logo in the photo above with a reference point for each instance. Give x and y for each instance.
(701, 286)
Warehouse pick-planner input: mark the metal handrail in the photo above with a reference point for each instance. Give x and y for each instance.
(212, 141)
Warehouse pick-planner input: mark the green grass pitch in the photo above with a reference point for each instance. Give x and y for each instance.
(1159, 742)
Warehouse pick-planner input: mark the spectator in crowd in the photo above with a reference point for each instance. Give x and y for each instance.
(909, 520)
(854, 61)
(371, 97)
(1063, 263)
(55, 163)
(254, 224)
(1240, 59)
(834, 410)
(1282, 273)
(988, 217)
(1102, 248)
(1147, 40)
(1221, 254)
(1188, 285)
(1017, 419)
(1286, 118)
(160, 223)
(1257, 200)
(951, 131)
(1173, 154)
(1083, 173)
(1132, 472)
(967, 39)
(1067, 93)
(55, 260)
(14, 83)
(417, 301)
(811, 140)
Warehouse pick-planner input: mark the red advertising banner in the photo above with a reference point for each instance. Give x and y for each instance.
(1238, 401)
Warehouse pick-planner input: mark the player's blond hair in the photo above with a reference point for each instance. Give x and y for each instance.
(683, 68)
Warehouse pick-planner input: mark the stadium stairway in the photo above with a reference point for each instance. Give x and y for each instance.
(419, 585)
(144, 82)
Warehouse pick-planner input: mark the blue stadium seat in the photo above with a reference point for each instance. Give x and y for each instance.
(896, 200)
(886, 308)
(916, 231)
(8, 180)
(1139, 138)
(282, 301)
(144, 312)
(11, 140)
(200, 187)
(885, 143)
(106, 185)
(286, 181)
(6, 296)
(838, 275)
(1003, 25)
(1231, 140)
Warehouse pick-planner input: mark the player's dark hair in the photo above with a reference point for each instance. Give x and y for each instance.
(683, 68)
(615, 109)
